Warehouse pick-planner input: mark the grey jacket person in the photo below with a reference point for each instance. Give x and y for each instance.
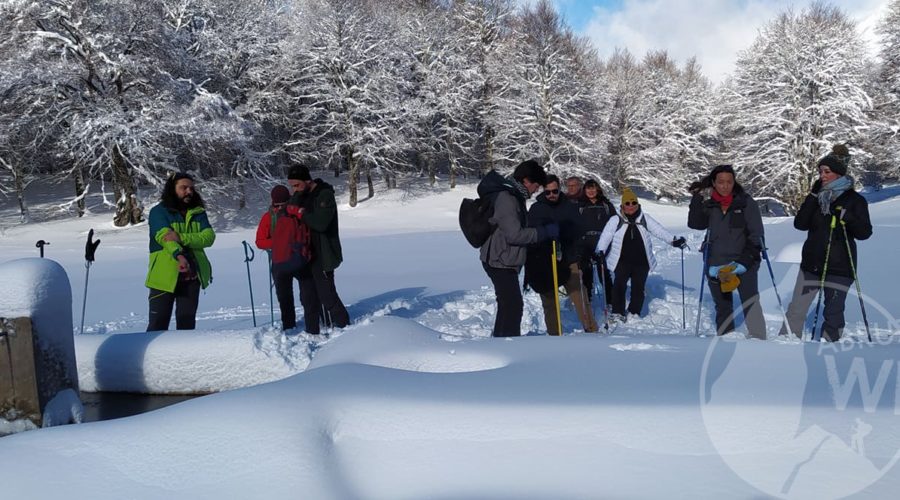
(735, 235)
(507, 245)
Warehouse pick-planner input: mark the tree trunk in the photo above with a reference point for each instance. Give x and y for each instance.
(343, 157)
(453, 167)
(78, 175)
(488, 164)
(369, 182)
(353, 172)
(128, 207)
(432, 175)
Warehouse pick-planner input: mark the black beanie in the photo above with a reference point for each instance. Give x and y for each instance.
(836, 160)
(299, 173)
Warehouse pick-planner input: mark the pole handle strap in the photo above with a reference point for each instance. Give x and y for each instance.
(248, 252)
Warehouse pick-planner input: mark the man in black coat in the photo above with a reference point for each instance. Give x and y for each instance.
(553, 207)
(834, 216)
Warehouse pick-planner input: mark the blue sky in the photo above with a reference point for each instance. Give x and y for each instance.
(713, 31)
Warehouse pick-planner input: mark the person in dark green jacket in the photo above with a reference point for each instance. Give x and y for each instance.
(313, 201)
(179, 231)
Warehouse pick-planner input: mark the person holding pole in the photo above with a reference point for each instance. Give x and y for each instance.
(286, 238)
(627, 235)
(552, 207)
(834, 217)
(179, 233)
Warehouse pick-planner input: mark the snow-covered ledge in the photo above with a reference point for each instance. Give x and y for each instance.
(39, 289)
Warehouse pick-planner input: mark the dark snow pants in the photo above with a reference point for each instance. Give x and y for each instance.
(185, 298)
(748, 291)
(591, 265)
(284, 290)
(509, 301)
(806, 290)
(637, 273)
(318, 292)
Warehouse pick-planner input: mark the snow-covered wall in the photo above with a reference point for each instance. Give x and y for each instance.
(40, 289)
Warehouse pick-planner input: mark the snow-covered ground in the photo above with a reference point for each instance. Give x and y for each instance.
(414, 400)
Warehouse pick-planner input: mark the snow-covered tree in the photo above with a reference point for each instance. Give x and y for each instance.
(548, 106)
(113, 89)
(796, 91)
(348, 85)
(885, 138)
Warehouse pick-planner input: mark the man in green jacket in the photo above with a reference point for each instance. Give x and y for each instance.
(313, 201)
(179, 231)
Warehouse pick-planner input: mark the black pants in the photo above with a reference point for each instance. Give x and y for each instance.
(748, 291)
(509, 301)
(185, 298)
(637, 273)
(588, 265)
(284, 290)
(318, 292)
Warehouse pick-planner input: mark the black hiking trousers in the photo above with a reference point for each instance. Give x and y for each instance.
(318, 295)
(284, 291)
(185, 299)
(637, 273)
(509, 301)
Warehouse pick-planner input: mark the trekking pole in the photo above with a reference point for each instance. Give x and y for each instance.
(705, 247)
(40, 245)
(271, 286)
(601, 283)
(765, 254)
(812, 335)
(862, 305)
(683, 313)
(556, 291)
(90, 248)
(248, 258)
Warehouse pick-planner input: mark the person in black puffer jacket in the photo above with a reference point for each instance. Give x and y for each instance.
(596, 210)
(733, 244)
(832, 203)
(552, 207)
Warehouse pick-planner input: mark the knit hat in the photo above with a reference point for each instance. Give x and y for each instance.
(280, 194)
(837, 159)
(299, 173)
(628, 195)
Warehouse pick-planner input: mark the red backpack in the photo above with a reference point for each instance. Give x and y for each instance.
(291, 250)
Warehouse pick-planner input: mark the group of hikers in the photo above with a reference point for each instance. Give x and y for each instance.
(579, 233)
(299, 230)
(576, 234)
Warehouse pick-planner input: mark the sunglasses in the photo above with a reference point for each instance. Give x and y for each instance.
(629, 203)
(551, 191)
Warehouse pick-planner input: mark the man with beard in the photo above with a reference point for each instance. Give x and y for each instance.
(313, 202)
(179, 231)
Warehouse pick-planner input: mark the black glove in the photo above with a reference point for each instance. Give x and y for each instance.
(843, 214)
(816, 187)
(90, 248)
(601, 256)
(548, 232)
(679, 242)
(700, 185)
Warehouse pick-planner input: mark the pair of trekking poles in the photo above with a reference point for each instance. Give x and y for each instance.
(249, 255)
(820, 292)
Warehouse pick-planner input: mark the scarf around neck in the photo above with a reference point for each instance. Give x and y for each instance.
(521, 188)
(724, 201)
(832, 191)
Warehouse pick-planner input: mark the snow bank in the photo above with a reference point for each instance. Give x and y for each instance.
(393, 410)
(189, 362)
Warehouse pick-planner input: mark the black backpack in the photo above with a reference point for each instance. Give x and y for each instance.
(473, 220)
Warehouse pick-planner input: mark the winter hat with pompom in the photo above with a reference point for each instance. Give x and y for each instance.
(628, 195)
(836, 160)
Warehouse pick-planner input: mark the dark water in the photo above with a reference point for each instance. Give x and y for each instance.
(110, 405)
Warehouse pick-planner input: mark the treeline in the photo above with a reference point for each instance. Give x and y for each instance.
(121, 92)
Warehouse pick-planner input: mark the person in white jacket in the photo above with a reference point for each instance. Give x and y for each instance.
(630, 254)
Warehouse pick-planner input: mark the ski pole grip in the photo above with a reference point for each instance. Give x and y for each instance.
(248, 252)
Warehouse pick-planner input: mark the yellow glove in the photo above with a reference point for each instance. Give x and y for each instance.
(727, 279)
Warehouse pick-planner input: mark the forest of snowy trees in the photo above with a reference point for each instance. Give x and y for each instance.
(113, 95)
